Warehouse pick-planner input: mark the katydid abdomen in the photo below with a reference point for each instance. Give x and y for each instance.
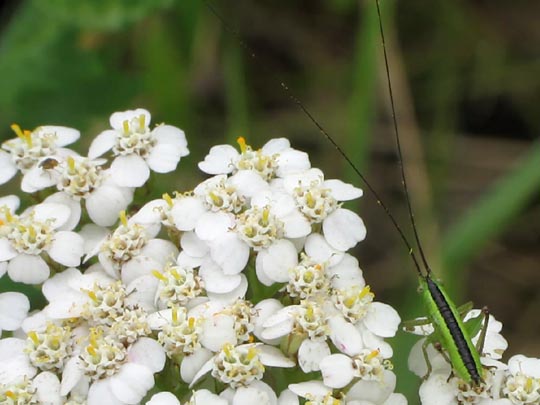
(452, 334)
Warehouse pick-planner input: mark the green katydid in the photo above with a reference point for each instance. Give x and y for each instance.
(451, 334)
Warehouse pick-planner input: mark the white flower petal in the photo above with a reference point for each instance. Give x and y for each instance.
(100, 392)
(129, 171)
(314, 388)
(14, 307)
(525, 365)
(71, 375)
(382, 319)
(74, 206)
(343, 229)
(28, 269)
(230, 253)
(337, 370)
(248, 183)
(11, 202)
(220, 160)
(147, 352)
(287, 397)
(273, 357)
(311, 353)
(171, 146)
(318, 249)
(264, 309)
(277, 260)
(102, 143)
(186, 211)
(212, 225)
(254, 395)
(202, 371)
(131, 383)
(214, 279)
(172, 136)
(292, 161)
(237, 293)
(64, 135)
(37, 179)
(47, 388)
(58, 213)
(160, 250)
(8, 169)
(105, 203)
(15, 363)
(346, 273)
(7, 252)
(193, 246)
(138, 267)
(193, 363)
(275, 145)
(345, 336)
(373, 391)
(374, 342)
(436, 391)
(400, 399)
(296, 224)
(163, 398)
(67, 248)
(93, 236)
(342, 191)
(217, 330)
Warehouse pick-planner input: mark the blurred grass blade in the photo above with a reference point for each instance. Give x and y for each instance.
(362, 102)
(491, 215)
(236, 97)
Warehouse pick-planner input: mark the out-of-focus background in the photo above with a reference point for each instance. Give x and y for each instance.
(466, 78)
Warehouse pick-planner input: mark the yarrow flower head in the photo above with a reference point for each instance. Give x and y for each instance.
(30, 148)
(25, 238)
(137, 148)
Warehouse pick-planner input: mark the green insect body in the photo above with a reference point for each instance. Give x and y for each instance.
(451, 332)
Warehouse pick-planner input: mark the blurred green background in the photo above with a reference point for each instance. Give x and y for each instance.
(466, 78)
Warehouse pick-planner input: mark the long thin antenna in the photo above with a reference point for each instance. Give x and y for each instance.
(305, 110)
(398, 143)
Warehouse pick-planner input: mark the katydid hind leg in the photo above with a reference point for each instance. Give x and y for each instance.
(482, 338)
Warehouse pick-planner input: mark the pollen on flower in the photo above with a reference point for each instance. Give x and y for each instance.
(353, 302)
(106, 303)
(30, 146)
(259, 228)
(102, 356)
(136, 138)
(178, 284)
(20, 392)
(238, 366)
(244, 314)
(265, 165)
(49, 350)
(125, 242)
(311, 320)
(222, 196)
(315, 202)
(522, 389)
(79, 177)
(181, 336)
(369, 365)
(307, 279)
(26, 234)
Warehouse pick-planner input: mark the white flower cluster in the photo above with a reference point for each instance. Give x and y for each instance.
(515, 383)
(240, 291)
